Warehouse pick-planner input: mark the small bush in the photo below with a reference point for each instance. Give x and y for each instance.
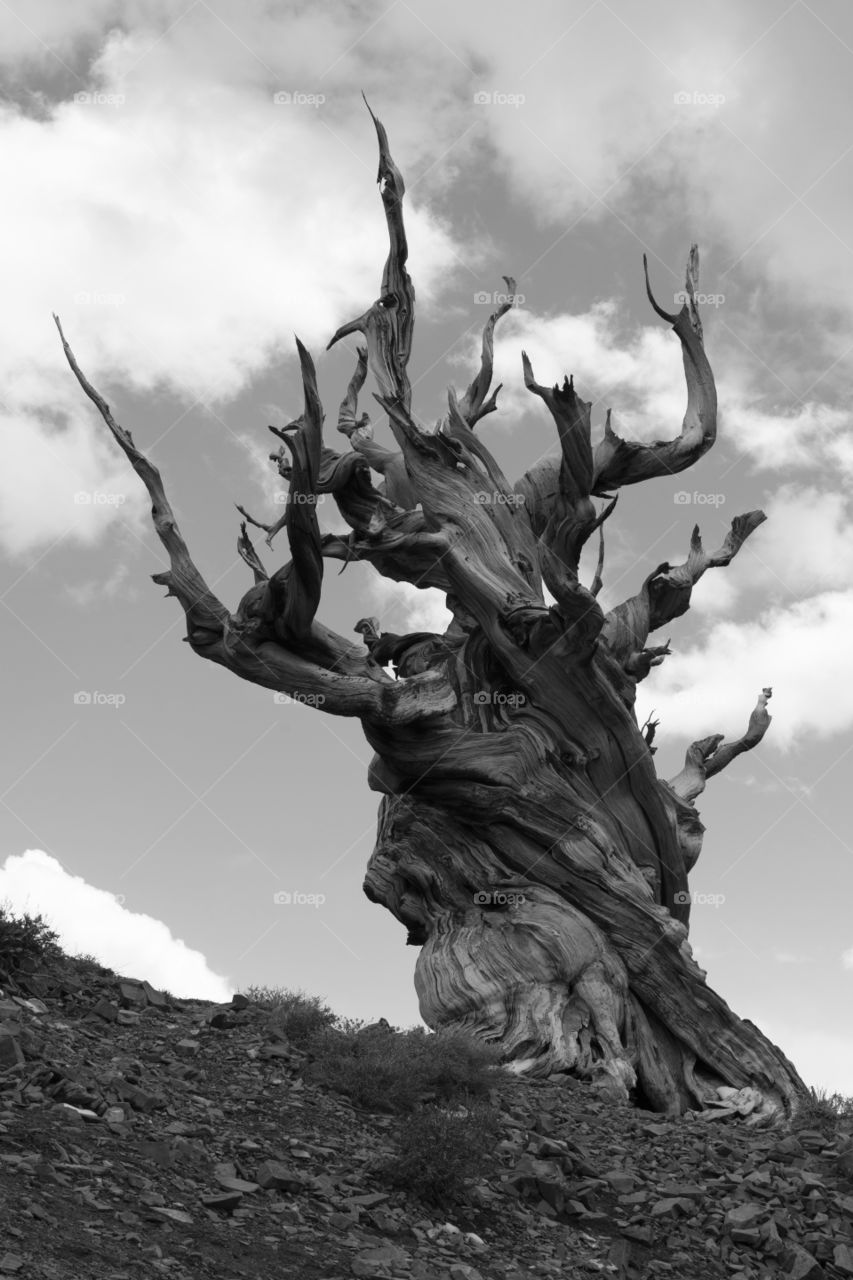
(439, 1153)
(26, 942)
(394, 1071)
(824, 1111)
(298, 1016)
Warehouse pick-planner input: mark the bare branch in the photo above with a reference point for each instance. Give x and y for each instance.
(248, 553)
(620, 462)
(207, 617)
(389, 323)
(474, 404)
(665, 594)
(708, 756)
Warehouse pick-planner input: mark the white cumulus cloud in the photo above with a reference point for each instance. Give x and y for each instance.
(94, 921)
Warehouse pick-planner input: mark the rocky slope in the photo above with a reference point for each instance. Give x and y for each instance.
(143, 1136)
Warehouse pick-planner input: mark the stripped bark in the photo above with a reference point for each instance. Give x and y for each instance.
(525, 840)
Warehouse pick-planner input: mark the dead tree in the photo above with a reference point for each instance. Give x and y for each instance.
(524, 839)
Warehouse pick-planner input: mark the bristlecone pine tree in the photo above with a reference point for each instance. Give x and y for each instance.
(524, 838)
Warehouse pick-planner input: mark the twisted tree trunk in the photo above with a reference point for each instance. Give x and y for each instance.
(525, 840)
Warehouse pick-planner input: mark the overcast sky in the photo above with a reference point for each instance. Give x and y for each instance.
(188, 186)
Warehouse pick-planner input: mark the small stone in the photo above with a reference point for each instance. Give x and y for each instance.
(621, 1181)
(642, 1234)
(127, 1018)
(11, 1054)
(238, 1184)
(785, 1150)
(132, 995)
(671, 1207)
(154, 997)
(744, 1215)
(224, 1202)
(273, 1174)
(805, 1266)
(106, 1009)
(175, 1215)
(187, 1047)
(239, 1001)
(843, 1259)
(10, 1263)
(157, 1149)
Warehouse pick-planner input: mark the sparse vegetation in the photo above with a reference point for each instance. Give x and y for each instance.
(825, 1111)
(395, 1071)
(299, 1016)
(440, 1151)
(25, 942)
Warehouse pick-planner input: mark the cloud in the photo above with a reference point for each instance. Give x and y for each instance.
(94, 921)
(402, 607)
(800, 650)
(186, 255)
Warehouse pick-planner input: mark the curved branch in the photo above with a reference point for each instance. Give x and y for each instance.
(709, 756)
(474, 404)
(207, 617)
(665, 593)
(343, 683)
(620, 462)
(388, 325)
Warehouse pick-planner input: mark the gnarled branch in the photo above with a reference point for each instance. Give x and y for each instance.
(708, 756)
(620, 462)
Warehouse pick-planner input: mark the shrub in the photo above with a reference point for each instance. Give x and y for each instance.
(298, 1016)
(439, 1152)
(25, 942)
(395, 1070)
(824, 1111)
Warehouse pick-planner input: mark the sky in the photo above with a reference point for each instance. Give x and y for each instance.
(194, 185)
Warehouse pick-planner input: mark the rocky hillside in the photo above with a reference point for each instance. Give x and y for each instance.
(141, 1136)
